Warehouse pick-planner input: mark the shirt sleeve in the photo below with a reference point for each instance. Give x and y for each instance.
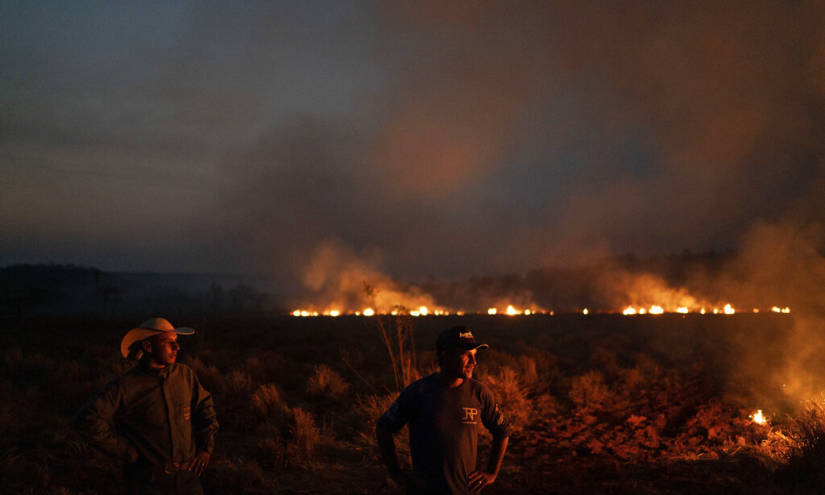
(204, 420)
(399, 413)
(491, 415)
(96, 421)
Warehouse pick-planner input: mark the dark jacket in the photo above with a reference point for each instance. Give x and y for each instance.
(166, 415)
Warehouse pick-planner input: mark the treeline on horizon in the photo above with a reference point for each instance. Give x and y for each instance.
(49, 288)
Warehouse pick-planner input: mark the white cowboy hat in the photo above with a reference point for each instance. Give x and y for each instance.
(148, 328)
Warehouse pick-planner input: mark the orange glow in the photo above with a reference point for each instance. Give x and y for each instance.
(758, 417)
(512, 310)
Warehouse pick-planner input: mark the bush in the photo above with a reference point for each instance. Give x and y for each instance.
(266, 400)
(238, 384)
(326, 382)
(512, 396)
(289, 437)
(806, 455)
(588, 390)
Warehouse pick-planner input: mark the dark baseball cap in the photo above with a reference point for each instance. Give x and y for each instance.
(458, 338)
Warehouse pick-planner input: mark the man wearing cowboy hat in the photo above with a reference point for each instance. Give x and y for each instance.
(444, 412)
(157, 417)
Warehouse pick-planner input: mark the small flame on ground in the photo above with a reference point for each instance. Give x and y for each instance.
(656, 310)
(728, 309)
(492, 311)
(369, 312)
(758, 417)
(585, 311)
(682, 309)
(511, 310)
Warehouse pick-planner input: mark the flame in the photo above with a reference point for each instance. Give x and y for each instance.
(758, 417)
(511, 310)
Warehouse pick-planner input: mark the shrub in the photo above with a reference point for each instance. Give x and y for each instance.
(588, 390)
(289, 437)
(209, 376)
(806, 455)
(238, 384)
(326, 382)
(529, 372)
(266, 400)
(305, 435)
(511, 395)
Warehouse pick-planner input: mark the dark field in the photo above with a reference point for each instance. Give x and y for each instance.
(600, 403)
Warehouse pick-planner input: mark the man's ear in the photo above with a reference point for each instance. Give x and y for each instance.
(147, 345)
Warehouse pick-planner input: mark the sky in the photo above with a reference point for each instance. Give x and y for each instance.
(433, 140)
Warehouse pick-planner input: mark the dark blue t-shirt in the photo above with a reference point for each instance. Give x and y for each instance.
(444, 425)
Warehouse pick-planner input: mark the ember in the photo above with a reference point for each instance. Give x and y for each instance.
(758, 417)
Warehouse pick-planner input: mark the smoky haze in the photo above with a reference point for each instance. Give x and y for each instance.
(397, 144)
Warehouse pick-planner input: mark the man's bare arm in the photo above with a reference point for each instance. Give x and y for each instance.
(479, 479)
(386, 444)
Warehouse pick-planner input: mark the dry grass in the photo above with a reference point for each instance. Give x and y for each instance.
(803, 472)
(325, 382)
(266, 400)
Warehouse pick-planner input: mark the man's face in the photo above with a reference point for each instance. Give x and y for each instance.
(163, 348)
(460, 363)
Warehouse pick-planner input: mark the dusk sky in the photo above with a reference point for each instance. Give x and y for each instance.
(437, 141)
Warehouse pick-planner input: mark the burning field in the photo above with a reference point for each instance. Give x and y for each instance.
(600, 403)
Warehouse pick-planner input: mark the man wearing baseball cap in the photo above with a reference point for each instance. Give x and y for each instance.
(157, 417)
(444, 412)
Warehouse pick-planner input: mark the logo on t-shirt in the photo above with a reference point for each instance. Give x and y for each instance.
(470, 415)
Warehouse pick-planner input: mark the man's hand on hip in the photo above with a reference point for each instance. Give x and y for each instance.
(479, 479)
(199, 463)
